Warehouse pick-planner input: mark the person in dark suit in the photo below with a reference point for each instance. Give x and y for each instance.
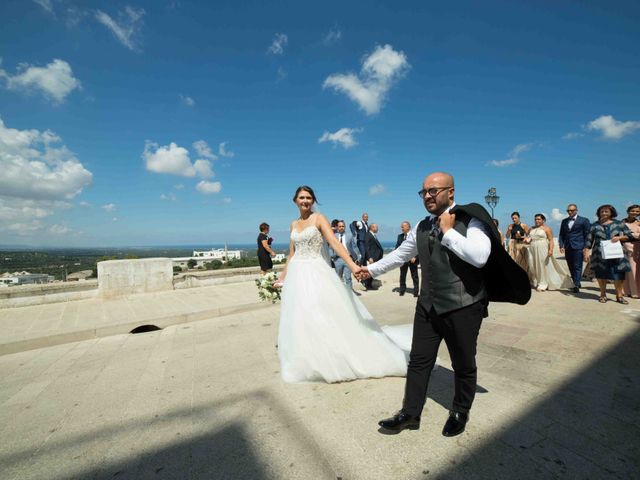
(463, 268)
(362, 227)
(411, 265)
(572, 239)
(374, 251)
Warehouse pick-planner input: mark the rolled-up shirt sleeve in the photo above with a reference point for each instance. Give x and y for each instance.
(475, 248)
(405, 252)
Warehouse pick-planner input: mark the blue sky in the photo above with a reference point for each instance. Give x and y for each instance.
(175, 122)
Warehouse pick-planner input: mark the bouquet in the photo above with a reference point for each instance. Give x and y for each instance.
(269, 287)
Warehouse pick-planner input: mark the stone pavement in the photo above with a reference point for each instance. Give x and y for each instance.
(37, 326)
(558, 397)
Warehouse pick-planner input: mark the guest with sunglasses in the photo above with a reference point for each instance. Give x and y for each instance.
(572, 240)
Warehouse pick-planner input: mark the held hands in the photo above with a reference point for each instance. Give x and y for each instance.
(362, 273)
(561, 251)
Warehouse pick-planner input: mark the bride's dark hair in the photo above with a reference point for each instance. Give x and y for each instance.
(304, 188)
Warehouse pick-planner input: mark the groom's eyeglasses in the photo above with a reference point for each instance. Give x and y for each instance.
(432, 192)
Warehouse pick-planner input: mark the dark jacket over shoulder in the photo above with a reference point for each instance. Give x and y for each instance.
(504, 280)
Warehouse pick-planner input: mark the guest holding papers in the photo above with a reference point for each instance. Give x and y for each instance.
(604, 239)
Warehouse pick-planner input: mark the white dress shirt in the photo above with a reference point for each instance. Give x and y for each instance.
(473, 249)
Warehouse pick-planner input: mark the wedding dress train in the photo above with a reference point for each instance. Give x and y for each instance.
(326, 333)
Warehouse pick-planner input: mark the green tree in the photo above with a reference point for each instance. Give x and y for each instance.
(191, 263)
(213, 265)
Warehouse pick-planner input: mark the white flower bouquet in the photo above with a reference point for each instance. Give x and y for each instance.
(269, 287)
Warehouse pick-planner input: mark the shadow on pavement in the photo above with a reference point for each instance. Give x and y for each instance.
(588, 428)
(231, 450)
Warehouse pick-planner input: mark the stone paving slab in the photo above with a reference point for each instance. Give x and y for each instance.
(38, 326)
(204, 400)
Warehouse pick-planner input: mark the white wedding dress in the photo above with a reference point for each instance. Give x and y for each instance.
(326, 334)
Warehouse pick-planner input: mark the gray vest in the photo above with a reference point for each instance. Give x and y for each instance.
(448, 283)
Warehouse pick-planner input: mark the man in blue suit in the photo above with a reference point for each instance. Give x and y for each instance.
(573, 242)
(348, 242)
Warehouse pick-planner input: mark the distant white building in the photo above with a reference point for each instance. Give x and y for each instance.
(222, 254)
(205, 256)
(24, 278)
(279, 257)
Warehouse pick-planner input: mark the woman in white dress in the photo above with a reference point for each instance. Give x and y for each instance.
(325, 332)
(545, 272)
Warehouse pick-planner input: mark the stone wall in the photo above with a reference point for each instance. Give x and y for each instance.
(26, 295)
(126, 277)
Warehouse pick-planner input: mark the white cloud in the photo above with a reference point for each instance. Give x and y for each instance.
(572, 136)
(611, 128)
(344, 137)
(45, 4)
(35, 166)
(514, 156)
(208, 188)
(377, 189)
(24, 228)
(332, 37)
(379, 72)
(280, 40)
(282, 74)
(203, 167)
(171, 196)
(226, 200)
(59, 229)
(55, 81)
(179, 186)
(84, 204)
(170, 159)
(187, 100)
(556, 214)
(15, 209)
(115, 219)
(109, 207)
(204, 150)
(127, 28)
(222, 151)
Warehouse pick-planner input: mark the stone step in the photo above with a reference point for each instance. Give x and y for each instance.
(46, 340)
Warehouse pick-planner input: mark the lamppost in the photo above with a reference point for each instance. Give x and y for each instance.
(492, 199)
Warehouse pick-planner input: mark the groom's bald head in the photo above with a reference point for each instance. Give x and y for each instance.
(443, 186)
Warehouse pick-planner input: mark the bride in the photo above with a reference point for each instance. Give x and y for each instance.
(326, 333)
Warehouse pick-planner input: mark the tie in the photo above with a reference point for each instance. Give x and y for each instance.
(341, 239)
(435, 228)
(571, 222)
(405, 237)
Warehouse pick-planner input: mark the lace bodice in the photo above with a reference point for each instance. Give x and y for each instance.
(308, 242)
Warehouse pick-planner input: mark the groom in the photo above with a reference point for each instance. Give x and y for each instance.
(463, 267)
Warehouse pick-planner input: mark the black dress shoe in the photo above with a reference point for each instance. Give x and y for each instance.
(401, 292)
(575, 289)
(400, 421)
(455, 424)
(415, 294)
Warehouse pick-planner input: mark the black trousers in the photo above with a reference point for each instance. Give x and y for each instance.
(459, 329)
(413, 267)
(574, 262)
